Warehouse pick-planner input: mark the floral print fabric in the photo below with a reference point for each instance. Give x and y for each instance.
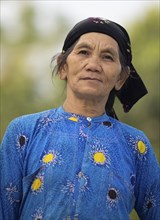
(57, 165)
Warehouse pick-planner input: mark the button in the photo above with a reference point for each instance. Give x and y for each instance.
(80, 174)
(76, 217)
(89, 119)
(133, 180)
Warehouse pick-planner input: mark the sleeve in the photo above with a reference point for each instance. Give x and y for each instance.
(11, 168)
(147, 189)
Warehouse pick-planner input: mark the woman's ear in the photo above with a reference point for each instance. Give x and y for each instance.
(63, 72)
(122, 77)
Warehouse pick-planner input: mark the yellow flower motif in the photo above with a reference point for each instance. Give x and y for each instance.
(36, 185)
(73, 119)
(99, 157)
(48, 158)
(141, 147)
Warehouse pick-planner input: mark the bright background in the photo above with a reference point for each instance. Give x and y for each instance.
(33, 31)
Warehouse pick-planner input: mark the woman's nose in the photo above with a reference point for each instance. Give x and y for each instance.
(93, 64)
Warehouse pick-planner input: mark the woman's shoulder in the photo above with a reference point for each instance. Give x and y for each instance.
(33, 118)
(128, 131)
(133, 139)
(30, 122)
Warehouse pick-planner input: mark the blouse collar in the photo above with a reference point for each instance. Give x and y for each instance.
(76, 117)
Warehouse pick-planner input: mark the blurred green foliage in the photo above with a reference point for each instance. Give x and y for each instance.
(26, 78)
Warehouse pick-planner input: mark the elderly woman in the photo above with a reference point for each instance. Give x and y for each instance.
(78, 161)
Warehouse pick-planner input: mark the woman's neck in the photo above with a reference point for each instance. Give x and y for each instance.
(83, 107)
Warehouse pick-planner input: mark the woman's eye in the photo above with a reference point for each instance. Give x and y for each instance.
(83, 52)
(107, 57)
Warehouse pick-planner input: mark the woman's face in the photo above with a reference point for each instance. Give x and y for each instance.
(93, 68)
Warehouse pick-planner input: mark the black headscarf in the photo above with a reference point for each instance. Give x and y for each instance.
(134, 88)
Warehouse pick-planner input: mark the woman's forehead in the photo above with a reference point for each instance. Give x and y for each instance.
(93, 38)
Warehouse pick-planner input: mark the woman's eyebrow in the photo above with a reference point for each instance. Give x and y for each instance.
(83, 45)
(108, 49)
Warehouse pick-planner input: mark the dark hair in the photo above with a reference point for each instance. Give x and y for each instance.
(61, 60)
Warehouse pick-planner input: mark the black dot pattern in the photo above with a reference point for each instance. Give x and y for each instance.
(107, 123)
(112, 194)
(22, 140)
(149, 204)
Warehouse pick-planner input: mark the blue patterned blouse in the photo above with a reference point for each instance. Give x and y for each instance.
(61, 166)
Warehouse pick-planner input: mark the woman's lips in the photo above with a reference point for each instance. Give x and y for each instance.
(91, 78)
